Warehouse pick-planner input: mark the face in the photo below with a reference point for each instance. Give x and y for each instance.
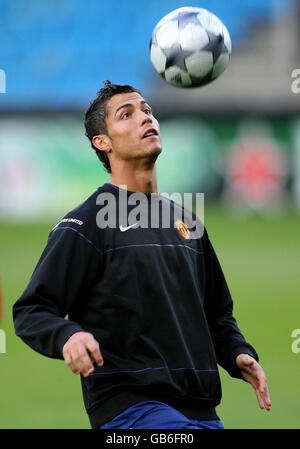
(133, 131)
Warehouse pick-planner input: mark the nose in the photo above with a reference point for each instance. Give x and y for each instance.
(145, 118)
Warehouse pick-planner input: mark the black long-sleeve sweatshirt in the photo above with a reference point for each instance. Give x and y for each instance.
(155, 300)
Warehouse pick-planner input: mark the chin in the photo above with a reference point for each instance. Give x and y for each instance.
(155, 150)
(154, 153)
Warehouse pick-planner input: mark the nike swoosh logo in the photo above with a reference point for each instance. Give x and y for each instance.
(125, 228)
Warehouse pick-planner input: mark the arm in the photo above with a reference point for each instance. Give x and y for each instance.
(227, 338)
(67, 267)
(233, 353)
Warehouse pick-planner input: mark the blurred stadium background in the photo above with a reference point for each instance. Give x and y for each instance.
(237, 140)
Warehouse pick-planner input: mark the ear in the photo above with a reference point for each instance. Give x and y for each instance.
(102, 143)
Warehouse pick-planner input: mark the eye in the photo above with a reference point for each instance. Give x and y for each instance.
(148, 111)
(125, 115)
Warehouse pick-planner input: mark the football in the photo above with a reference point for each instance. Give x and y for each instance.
(190, 47)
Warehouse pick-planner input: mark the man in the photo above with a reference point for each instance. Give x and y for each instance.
(149, 311)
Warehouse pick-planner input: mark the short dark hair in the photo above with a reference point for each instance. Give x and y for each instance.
(95, 115)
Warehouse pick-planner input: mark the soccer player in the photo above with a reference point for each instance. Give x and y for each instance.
(149, 310)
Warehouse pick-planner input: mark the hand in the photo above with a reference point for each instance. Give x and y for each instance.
(80, 351)
(254, 374)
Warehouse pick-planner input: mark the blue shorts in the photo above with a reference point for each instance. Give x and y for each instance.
(157, 415)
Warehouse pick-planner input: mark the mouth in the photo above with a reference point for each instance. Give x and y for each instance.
(150, 133)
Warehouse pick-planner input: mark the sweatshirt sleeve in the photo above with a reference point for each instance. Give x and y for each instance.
(66, 269)
(227, 338)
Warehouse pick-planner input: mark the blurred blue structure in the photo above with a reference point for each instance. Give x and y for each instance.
(57, 53)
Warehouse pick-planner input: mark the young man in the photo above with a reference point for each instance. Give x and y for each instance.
(149, 311)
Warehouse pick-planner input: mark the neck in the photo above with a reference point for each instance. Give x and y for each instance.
(144, 181)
